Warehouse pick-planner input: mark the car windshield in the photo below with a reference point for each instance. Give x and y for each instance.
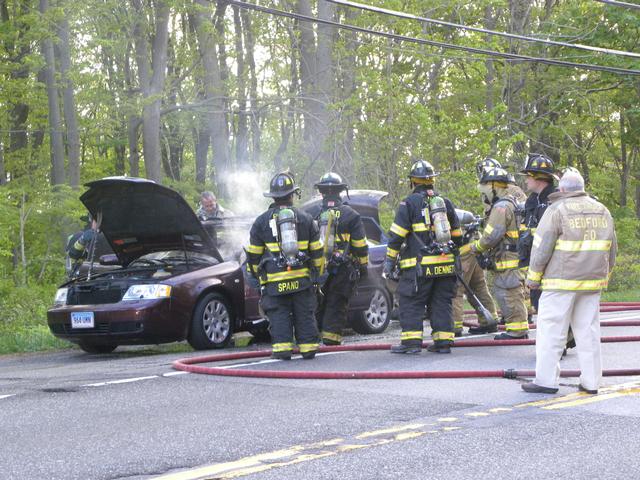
(173, 257)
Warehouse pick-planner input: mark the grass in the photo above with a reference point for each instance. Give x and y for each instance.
(29, 339)
(632, 295)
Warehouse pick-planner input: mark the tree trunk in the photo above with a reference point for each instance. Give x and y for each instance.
(516, 72)
(19, 72)
(151, 78)
(249, 46)
(625, 165)
(345, 162)
(133, 121)
(3, 174)
(242, 131)
(286, 121)
(55, 122)
(214, 93)
(69, 104)
(490, 21)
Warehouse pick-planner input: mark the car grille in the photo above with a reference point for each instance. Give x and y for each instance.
(94, 294)
(100, 328)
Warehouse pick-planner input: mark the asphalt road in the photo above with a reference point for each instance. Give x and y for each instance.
(129, 415)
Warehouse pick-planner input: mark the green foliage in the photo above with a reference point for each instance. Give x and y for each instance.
(626, 273)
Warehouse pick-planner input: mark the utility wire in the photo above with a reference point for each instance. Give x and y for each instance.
(433, 43)
(547, 41)
(620, 4)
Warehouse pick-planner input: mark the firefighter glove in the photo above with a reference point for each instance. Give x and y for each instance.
(532, 285)
(87, 236)
(253, 282)
(387, 268)
(364, 271)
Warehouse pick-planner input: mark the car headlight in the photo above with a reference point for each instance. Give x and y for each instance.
(61, 297)
(147, 292)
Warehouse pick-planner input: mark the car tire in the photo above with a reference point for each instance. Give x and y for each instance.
(377, 317)
(211, 324)
(97, 347)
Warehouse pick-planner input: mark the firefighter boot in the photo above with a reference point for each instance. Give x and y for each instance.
(440, 347)
(483, 329)
(413, 349)
(281, 355)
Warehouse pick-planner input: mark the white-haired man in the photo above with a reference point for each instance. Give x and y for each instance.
(574, 251)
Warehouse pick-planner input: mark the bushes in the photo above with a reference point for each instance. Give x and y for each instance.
(626, 273)
(23, 319)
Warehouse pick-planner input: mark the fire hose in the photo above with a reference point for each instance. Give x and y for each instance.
(192, 364)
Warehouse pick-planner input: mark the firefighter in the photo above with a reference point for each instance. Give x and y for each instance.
(345, 253)
(78, 246)
(539, 171)
(512, 188)
(428, 224)
(498, 244)
(284, 254)
(518, 194)
(475, 278)
(574, 251)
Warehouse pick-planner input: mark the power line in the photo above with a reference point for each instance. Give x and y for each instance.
(620, 4)
(433, 43)
(547, 41)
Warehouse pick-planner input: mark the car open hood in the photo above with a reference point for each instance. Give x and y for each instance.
(140, 216)
(366, 202)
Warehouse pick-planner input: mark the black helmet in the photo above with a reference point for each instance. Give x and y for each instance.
(538, 163)
(331, 182)
(282, 184)
(496, 174)
(422, 169)
(487, 163)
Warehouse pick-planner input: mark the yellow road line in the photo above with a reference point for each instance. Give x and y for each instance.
(448, 419)
(587, 399)
(304, 453)
(391, 430)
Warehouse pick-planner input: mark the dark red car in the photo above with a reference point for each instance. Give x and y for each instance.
(169, 281)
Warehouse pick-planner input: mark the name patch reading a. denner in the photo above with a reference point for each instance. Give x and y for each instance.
(439, 270)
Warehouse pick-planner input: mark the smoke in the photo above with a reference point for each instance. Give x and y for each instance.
(245, 203)
(245, 192)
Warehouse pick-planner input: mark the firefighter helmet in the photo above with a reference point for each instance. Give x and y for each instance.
(422, 169)
(496, 174)
(486, 164)
(281, 185)
(331, 182)
(539, 164)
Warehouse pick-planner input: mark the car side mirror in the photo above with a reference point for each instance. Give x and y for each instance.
(109, 259)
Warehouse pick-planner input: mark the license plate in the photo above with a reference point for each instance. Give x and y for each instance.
(82, 320)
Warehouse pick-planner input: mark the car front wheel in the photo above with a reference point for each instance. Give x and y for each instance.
(376, 318)
(212, 323)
